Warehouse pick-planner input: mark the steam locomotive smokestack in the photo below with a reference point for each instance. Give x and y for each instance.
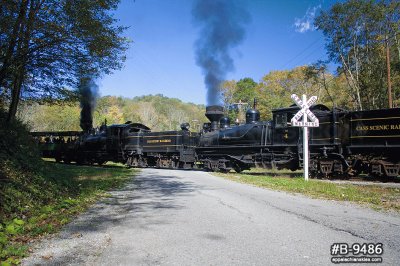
(214, 113)
(222, 28)
(88, 91)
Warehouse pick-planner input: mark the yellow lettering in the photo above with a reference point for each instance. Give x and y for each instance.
(158, 141)
(362, 128)
(377, 127)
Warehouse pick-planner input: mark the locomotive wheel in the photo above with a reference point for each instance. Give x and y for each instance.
(313, 174)
(224, 170)
(142, 163)
(213, 166)
(174, 165)
(215, 169)
(319, 175)
(340, 176)
(237, 169)
(129, 162)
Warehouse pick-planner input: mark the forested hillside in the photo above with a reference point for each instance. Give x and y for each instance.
(155, 111)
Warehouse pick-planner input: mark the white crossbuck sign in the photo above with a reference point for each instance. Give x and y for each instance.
(304, 111)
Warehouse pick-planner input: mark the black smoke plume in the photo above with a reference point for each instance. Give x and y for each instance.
(222, 28)
(88, 91)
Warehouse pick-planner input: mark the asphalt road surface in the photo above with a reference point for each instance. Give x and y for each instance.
(170, 217)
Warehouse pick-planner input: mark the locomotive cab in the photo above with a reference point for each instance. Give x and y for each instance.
(133, 142)
(325, 141)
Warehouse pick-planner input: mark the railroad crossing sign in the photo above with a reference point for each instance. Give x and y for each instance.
(304, 111)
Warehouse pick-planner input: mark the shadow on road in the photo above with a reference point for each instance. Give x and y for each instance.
(143, 196)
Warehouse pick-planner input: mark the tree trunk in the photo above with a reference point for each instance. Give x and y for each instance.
(22, 53)
(352, 82)
(15, 96)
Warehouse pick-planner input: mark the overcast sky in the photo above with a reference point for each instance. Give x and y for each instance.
(161, 58)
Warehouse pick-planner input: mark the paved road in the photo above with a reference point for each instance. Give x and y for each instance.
(168, 217)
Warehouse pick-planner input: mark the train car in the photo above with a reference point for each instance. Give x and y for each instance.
(327, 156)
(374, 142)
(109, 143)
(58, 145)
(168, 149)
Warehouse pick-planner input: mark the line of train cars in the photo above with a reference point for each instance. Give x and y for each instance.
(345, 144)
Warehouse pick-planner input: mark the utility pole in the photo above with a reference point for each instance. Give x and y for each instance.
(388, 73)
(240, 104)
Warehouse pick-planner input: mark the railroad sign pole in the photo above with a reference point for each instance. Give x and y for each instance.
(306, 113)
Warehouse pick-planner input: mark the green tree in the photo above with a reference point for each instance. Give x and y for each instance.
(46, 44)
(245, 90)
(236, 92)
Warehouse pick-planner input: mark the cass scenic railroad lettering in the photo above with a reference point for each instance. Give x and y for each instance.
(378, 127)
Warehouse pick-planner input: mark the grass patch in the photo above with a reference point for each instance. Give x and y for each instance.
(36, 204)
(375, 196)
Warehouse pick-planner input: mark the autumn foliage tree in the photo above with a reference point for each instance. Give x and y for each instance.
(357, 33)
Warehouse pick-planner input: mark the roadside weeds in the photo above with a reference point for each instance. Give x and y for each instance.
(374, 196)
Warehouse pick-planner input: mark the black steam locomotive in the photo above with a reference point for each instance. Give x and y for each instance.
(345, 144)
(130, 143)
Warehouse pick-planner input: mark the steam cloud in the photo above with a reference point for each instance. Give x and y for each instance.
(222, 28)
(88, 91)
